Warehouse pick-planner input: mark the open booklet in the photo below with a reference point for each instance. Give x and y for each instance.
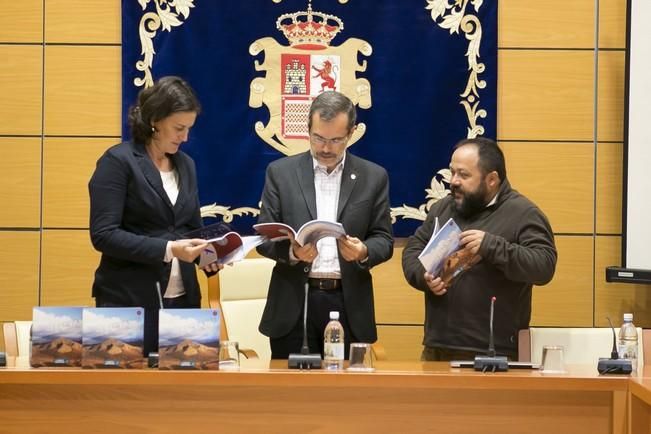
(310, 232)
(443, 256)
(224, 245)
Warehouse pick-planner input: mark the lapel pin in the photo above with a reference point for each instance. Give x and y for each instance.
(353, 176)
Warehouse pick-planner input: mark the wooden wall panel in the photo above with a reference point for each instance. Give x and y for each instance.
(68, 268)
(21, 74)
(19, 256)
(22, 21)
(610, 113)
(561, 24)
(613, 299)
(612, 23)
(20, 176)
(87, 21)
(545, 95)
(547, 174)
(610, 157)
(567, 300)
(401, 342)
(65, 191)
(395, 301)
(552, 23)
(82, 91)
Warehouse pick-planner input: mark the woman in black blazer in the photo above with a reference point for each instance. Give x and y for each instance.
(143, 198)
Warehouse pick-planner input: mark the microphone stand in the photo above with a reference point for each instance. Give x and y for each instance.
(491, 361)
(304, 360)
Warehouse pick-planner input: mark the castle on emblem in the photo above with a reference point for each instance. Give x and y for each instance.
(295, 78)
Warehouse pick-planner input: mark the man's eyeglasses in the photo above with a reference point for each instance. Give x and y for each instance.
(318, 140)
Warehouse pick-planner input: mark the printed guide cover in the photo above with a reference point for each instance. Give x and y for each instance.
(113, 337)
(56, 336)
(188, 339)
(443, 243)
(443, 256)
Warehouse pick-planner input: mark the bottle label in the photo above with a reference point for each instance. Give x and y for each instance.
(333, 351)
(627, 350)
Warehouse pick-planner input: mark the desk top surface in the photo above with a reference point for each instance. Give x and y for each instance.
(275, 373)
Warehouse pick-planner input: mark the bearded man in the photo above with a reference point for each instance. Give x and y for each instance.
(509, 243)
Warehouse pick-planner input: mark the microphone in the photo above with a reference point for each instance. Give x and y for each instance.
(491, 361)
(491, 339)
(614, 365)
(614, 354)
(304, 360)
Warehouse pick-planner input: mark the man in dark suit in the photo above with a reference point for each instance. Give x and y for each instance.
(325, 183)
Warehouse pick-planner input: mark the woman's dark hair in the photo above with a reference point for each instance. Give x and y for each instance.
(167, 96)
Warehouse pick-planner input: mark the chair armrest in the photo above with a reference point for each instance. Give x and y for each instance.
(10, 339)
(379, 351)
(249, 353)
(524, 345)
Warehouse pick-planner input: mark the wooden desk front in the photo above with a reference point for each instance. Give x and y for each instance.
(640, 406)
(398, 397)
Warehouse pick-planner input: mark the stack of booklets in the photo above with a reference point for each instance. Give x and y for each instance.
(56, 336)
(113, 337)
(188, 339)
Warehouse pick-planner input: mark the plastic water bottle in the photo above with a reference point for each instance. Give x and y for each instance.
(333, 344)
(628, 340)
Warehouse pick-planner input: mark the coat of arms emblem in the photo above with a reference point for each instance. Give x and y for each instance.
(298, 73)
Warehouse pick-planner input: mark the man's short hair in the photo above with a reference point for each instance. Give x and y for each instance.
(330, 104)
(491, 157)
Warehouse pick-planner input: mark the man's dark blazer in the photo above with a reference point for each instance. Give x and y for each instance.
(131, 220)
(289, 197)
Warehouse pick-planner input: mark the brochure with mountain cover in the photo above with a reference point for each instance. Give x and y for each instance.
(56, 336)
(188, 339)
(443, 256)
(113, 337)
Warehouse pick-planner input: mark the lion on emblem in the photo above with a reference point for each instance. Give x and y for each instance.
(327, 75)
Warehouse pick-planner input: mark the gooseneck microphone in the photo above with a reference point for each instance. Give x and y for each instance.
(305, 348)
(614, 365)
(614, 354)
(491, 361)
(491, 339)
(304, 360)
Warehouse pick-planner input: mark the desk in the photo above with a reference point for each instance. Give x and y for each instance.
(640, 406)
(398, 397)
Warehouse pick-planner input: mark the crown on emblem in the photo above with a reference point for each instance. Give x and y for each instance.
(308, 29)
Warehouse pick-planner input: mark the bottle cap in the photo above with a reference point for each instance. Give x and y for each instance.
(334, 315)
(628, 317)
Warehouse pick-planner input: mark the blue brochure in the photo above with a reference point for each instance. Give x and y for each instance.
(444, 242)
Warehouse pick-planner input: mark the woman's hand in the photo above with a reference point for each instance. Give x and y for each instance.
(188, 250)
(213, 268)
